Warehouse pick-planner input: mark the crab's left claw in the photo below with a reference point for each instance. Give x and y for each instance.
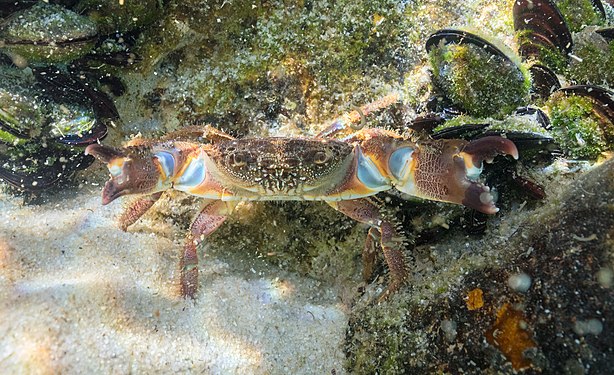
(131, 173)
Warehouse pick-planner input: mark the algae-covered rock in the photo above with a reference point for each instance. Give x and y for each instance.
(120, 16)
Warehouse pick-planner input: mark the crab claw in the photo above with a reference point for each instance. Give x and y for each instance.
(103, 153)
(446, 170)
(131, 173)
(486, 148)
(472, 156)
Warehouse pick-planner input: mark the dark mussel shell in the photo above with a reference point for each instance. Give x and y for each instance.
(598, 5)
(466, 131)
(47, 177)
(606, 32)
(64, 88)
(426, 123)
(11, 130)
(544, 26)
(543, 81)
(541, 116)
(97, 133)
(448, 36)
(47, 32)
(531, 146)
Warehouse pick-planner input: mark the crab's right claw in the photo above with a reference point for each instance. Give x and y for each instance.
(447, 170)
(130, 173)
(470, 162)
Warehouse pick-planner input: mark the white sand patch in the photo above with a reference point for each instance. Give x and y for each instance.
(77, 295)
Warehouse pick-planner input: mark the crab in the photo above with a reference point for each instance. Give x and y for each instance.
(343, 172)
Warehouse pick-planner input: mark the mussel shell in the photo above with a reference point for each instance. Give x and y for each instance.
(606, 32)
(540, 116)
(21, 110)
(543, 81)
(603, 98)
(545, 26)
(598, 5)
(466, 131)
(454, 36)
(478, 78)
(426, 123)
(46, 176)
(583, 120)
(531, 146)
(95, 134)
(48, 33)
(65, 87)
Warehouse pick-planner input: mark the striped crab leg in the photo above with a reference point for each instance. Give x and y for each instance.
(211, 216)
(355, 119)
(364, 210)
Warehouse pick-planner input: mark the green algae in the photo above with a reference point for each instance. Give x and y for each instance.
(594, 61)
(229, 71)
(579, 13)
(576, 127)
(115, 16)
(550, 57)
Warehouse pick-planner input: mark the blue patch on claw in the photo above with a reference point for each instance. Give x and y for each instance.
(193, 175)
(167, 162)
(369, 175)
(399, 162)
(473, 173)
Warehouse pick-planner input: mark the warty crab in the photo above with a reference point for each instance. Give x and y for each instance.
(344, 173)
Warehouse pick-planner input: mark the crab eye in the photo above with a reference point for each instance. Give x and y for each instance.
(238, 159)
(321, 157)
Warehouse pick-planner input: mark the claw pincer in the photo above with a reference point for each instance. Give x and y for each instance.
(344, 173)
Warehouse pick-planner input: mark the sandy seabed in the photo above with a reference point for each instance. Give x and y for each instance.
(77, 295)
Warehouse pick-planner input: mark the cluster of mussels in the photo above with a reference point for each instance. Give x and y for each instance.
(553, 97)
(53, 62)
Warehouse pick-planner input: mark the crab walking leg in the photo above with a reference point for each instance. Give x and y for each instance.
(369, 252)
(136, 209)
(194, 132)
(365, 211)
(211, 216)
(342, 123)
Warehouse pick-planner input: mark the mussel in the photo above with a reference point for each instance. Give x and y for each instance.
(567, 37)
(476, 76)
(583, 120)
(47, 33)
(42, 135)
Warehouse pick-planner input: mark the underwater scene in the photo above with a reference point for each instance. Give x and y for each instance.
(306, 187)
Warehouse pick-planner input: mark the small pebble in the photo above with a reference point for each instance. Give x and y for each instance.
(520, 282)
(588, 327)
(449, 329)
(605, 277)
